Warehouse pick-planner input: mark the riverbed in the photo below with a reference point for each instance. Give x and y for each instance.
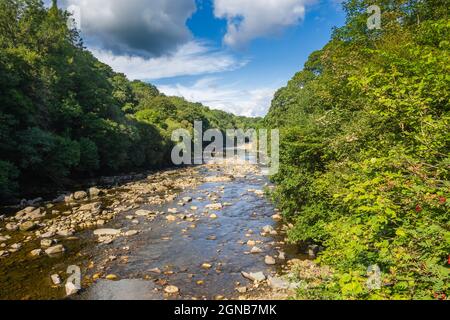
(200, 239)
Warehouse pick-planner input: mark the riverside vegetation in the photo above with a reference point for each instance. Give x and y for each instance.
(365, 153)
(65, 115)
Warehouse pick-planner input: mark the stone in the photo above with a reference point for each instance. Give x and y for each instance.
(187, 199)
(65, 233)
(173, 210)
(171, 290)
(256, 250)
(111, 277)
(251, 243)
(206, 266)
(11, 227)
(107, 232)
(242, 289)
(277, 283)
(270, 261)
(277, 217)
(143, 213)
(22, 213)
(281, 255)
(80, 195)
(96, 206)
(56, 279)
(155, 270)
(47, 235)
(36, 252)
(46, 243)
(71, 288)
(28, 226)
(255, 276)
(214, 206)
(3, 253)
(55, 250)
(131, 233)
(267, 229)
(171, 218)
(94, 192)
(213, 216)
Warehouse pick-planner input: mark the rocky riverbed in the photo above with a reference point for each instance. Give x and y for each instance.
(205, 232)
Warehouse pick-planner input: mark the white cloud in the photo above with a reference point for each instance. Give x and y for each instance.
(231, 98)
(250, 19)
(139, 27)
(193, 58)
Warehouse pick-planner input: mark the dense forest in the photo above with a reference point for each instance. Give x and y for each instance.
(64, 114)
(365, 155)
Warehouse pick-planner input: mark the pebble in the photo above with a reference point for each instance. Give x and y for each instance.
(256, 250)
(55, 250)
(255, 276)
(56, 279)
(107, 232)
(270, 261)
(171, 290)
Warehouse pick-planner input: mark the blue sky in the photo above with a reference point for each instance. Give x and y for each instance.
(228, 54)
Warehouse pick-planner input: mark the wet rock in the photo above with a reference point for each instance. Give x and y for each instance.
(256, 250)
(251, 243)
(46, 243)
(155, 270)
(270, 261)
(187, 199)
(47, 235)
(213, 216)
(173, 210)
(4, 238)
(3, 253)
(171, 218)
(96, 206)
(55, 250)
(11, 227)
(111, 277)
(94, 192)
(277, 283)
(65, 233)
(56, 279)
(214, 206)
(254, 276)
(22, 213)
(80, 195)
(143, 213)
(28, 226)
(107, 232)
(171, 290)
(242, 289)
(206, 266)
(36, 253)
(15, 247)
(267, 229)
(131, 233)
(277, 217)
(281, 255)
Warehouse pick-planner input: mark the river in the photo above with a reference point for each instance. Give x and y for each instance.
(199, 239)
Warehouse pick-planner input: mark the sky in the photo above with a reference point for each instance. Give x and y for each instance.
(227, 54)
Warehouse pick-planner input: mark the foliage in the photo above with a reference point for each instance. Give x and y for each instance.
(65, 115)
(365, 153)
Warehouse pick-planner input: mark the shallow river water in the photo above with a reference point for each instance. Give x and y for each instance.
(166, 253)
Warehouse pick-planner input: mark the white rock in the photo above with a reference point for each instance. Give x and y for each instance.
(36, 253)
(255, 276)
(131, 233)
(56, 279)
(270, 261)
(107, 232)
(143, 213)
(256, 250)
(94, 192)
(214, 206)
(55, 250)
(80, 195)
(171, 290)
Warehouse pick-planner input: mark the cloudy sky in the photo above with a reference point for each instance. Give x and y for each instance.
(228, 54)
